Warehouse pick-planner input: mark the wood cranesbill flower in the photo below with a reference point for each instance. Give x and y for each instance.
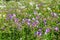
(33, 18)
(40, 29)
(9, 16)
(37, 17)
(39, 33)
(56, 29)
(44, 21)
(28, 21)
(47, 30)
(16, 20)
(35, 23)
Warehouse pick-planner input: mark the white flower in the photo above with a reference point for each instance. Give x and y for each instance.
(40, 13)
(33, 18)
(4, 15)
(55, 14)
(28, 19)
(37, 26)
(2, 6)
(14, 15)
(31, 3)
(22, 7)
(19, 3)
(48, 8)
(37, 7)
(37, 21)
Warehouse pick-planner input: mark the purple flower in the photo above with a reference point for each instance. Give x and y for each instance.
(37, 17)
(44, 21)
(33, 18)
(35, 12)
(35, 23)
(28, 21)
(16, 20)
(56, 29)
(39, 33)
(40, 29)
(47, 30)
(10, 16)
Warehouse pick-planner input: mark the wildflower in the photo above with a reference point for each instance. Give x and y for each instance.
(37, 17)
(40, 29)
(56, 29)
(28, 21)
(10, 16)
(14, 15)
(35, 12)
(39, 13)
(16, 20)
(4, 15)
(44, 21)
(23, 20)
(2, 6)
(47, 30)
(37, 7)
(54, 14)
(33, 18)
(49, 8)
(19, 3)
(35, 23)
(31, 3)
(39, 33)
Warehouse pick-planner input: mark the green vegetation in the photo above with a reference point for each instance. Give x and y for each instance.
(30, 20)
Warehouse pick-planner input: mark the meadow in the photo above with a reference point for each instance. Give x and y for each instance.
(29, 19)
